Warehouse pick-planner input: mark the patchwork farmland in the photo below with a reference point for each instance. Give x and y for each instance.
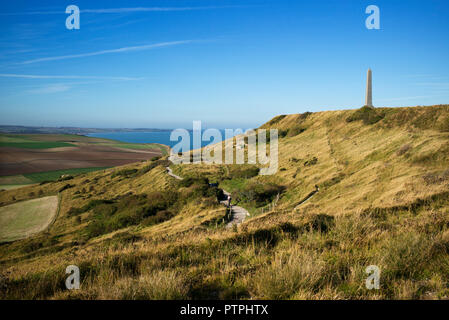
(34, 158)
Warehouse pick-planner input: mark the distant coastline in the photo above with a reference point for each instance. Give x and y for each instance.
(154, 136)
(11, 129)
(127, 135)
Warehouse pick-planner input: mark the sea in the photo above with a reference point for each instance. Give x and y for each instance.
(162, 137)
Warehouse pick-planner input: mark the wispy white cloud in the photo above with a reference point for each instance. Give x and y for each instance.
(51, 88)
(153, 9)
(30, 13)
(121, 10)
(119, 50)
(32, 76)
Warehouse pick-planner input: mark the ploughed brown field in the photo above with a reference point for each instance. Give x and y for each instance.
(15, 160)
(20, 161)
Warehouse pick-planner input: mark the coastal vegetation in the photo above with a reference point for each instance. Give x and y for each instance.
(380, 197)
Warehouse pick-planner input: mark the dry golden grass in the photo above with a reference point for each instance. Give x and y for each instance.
(23, 219)
(379, 203)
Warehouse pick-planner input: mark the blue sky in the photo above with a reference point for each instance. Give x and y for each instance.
(227, 63)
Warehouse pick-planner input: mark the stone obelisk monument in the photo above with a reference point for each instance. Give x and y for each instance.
(369, 90)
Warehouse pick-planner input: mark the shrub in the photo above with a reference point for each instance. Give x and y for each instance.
(304, 116)
(276, 119)
(242, 171)
(92, 204)
(67, 186)
(32, 245)
(124, 173)
(65, 177)
(311, 162)
(154, 164)
(189, 181)
(259, 193)
(320, 222)
(282, 133)
(111, 215)
(159, 217)
(368, 115)
(295, 131)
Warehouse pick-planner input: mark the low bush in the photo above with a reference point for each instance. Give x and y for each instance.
(189, 181)
(159, 217)
(282, 133)
(242, 171)
(311, 162)
(124, 173)
(65, 177)
(130, 210)
(92, 204)
(276, 119)
(261, 194)
(67, 186)
(304, 116)
(155, 163)
(369, 115)
(295, 131)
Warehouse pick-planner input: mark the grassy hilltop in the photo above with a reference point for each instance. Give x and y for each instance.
(379, 179)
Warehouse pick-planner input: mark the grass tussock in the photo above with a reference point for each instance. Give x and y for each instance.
(289, 273)
(160, 285)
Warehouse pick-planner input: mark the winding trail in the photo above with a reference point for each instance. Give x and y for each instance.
(238, 214)
(310, 195)
(171, 174)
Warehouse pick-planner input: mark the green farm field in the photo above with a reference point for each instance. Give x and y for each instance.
(14, 182)
(23, 142)
(55, 175)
